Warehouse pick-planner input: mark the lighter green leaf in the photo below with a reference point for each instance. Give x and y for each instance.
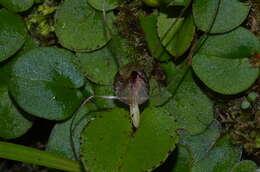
(125, 150)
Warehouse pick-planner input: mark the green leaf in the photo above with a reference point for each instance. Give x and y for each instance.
(176, 39)
(79, 27)
(47, 77)
(12, 34)
(60, 140)
(221, 157)
(13, 123)
(149, 26)
(125, 149)
(231, 13)
(99, 66)
(245, 166)
(17, 5)
(104, 4)
(222, 62)
(192, 109)
(199, 145)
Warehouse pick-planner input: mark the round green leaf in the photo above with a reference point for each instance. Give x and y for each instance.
(12, 34)
(99, 66)
(13, 123)
(222, 62)
(176, 39)
(47, 77)
(80, 27)
(17, 5)
(192, 109)
(104, 4)
(126, 150)
(245, 166)
(60, 140)
(231, 13)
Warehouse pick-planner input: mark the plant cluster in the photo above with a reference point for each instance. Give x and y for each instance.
(66, 61)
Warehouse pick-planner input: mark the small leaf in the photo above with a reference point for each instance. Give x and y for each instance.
(149, 24)
(47, 77)
(60, 140)
(221, 157)
(222, 62)
(192, 109)
(201, 143)
(231, 13)
(126, 151)
(79, 27)
(245, 166)
(17, 5)
(99, 66)
(12, 34)
(176, 34)
(104, 4)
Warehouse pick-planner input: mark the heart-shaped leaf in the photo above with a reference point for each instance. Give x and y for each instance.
(65, 137)
(104, 4)
(17, 5)
(222, 15)
(12, 34)
(176, 34)
(126, 150)
(47, 77)
(192, 109)
(245, 166)
(222, 62)
(99, 66)
(79, 27)
(149, 26)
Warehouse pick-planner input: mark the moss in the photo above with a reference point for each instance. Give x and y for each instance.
(40, 22)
